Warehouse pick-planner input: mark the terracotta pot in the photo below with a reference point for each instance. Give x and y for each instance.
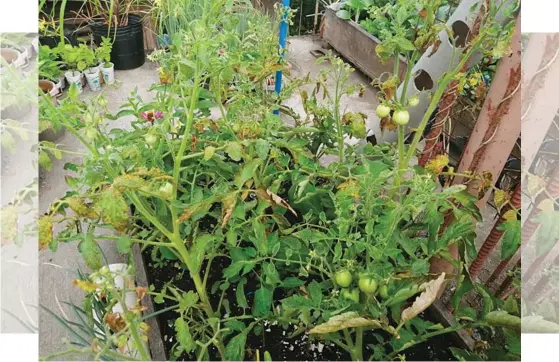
(48, 86)
(13, 57)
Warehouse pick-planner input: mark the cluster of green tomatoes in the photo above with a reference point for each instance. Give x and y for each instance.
(366, 284)
(401, 117)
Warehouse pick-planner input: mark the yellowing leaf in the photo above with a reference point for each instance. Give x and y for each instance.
(510, 215)
(343, 321)
(534, 185)
(500, 197)
(113, 208)
(45, 231)
(229, 203)
(85, 285)
(424, 300)
(351, 187)
(115, 321)
(436, 165)
(79, 206)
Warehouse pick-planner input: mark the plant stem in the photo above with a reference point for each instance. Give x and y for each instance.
(357, 352)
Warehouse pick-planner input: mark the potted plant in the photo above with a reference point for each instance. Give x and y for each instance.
(78, 59)
(103, 54)
(114, 19)
(50, 67)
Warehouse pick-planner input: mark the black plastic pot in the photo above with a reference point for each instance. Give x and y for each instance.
(128, 47)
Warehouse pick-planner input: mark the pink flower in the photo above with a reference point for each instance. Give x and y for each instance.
(151, 115)
(221, 51)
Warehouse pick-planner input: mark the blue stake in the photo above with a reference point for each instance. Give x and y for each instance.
(284, 26)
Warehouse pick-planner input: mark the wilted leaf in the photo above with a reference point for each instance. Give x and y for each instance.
(229, 203)
(267, 195)
(343, 321)
(424, 300)
(534, 185)
(115, 321)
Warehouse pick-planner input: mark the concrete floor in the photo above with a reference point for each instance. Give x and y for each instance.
(57, 270)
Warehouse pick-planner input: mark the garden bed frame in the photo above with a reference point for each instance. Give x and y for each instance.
(356, 45)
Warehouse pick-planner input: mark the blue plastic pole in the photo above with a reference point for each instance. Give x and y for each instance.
(284, 26)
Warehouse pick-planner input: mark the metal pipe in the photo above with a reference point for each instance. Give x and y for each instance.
(495, 235)
(284, 27)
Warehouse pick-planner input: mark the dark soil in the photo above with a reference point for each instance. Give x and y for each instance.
(273, 339)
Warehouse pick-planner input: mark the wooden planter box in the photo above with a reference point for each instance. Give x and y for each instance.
(356, 45)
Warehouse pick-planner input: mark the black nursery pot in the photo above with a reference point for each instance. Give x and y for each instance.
(128, 47)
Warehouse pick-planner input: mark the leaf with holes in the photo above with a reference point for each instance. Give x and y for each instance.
(113, 208)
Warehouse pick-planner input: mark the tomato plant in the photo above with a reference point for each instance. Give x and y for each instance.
(245, 196)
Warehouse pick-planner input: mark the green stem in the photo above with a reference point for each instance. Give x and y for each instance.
(357, 352)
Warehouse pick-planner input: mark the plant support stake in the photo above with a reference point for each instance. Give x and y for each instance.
(284, 26)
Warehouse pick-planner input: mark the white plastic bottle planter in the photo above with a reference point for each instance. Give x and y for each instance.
(60, 84)
(75, 77)
(123, 280)
(431, 67)
(92, 76)
(108, 71)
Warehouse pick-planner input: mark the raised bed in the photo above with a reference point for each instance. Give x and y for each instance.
(356, 45)
(272, 338)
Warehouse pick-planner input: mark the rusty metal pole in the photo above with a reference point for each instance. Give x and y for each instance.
(498, 126)
(495, 235)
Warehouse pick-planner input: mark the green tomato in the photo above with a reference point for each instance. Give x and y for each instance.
(236, 128)
(150, 139)
(352, 295)
(166, 190)
(358, 129)
(413, 101)
(367, 285)
(383, 291)
(344, 278)
(401, 117)
(383, 110)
